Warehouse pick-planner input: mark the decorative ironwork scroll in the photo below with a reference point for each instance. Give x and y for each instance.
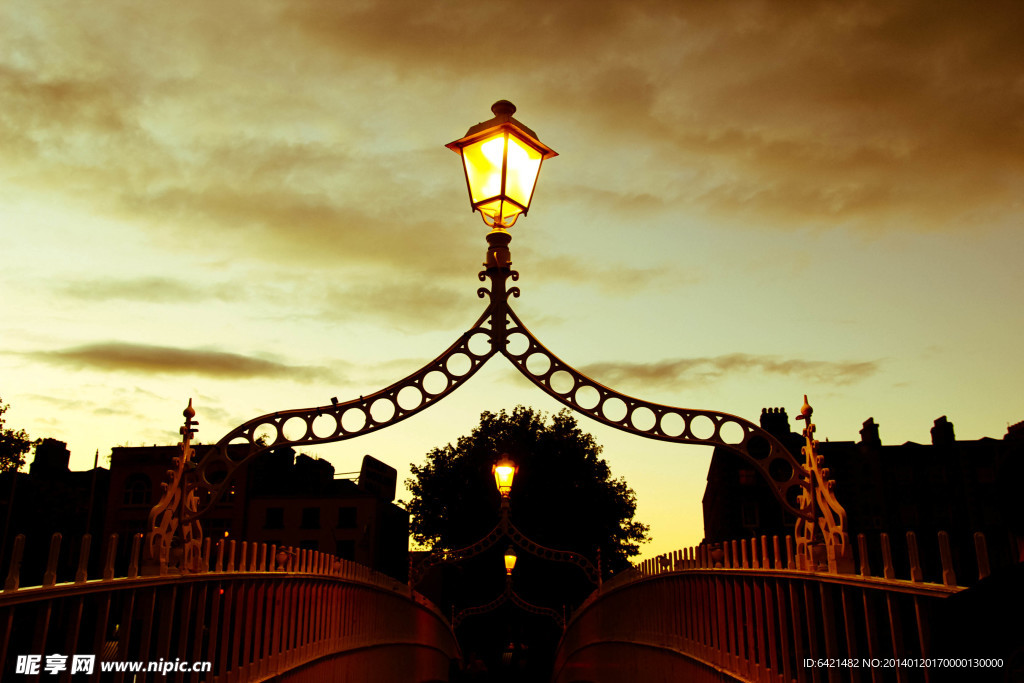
(498, 329)
(163, 550)
(508, 595)
(823, 540)
(504, 529)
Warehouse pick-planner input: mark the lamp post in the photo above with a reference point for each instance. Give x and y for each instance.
(501, 160)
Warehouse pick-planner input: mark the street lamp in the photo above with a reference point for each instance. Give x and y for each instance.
(504, 472)
(502, 159)
(510, 560)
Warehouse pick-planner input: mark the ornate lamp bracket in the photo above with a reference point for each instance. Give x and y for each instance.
(505, 529)
(497, 330)
(822, 537)
(508, 595)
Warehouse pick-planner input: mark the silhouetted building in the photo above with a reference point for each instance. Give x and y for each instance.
(959, 487)
(295, 500)
(51, 499)
(280, 498)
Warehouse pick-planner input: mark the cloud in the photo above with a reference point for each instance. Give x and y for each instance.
(897, 116)
(148, 289)
(682, 372)
(305, 132)
(147, 359)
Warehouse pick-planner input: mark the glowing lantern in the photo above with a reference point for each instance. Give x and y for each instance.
(502, 159)
(504, 472)
(510, 560)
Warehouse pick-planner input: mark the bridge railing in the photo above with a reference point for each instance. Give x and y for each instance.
(741, 611)
(254, 613)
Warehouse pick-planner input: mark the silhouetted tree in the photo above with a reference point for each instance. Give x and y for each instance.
(14, 444)
(563, 497)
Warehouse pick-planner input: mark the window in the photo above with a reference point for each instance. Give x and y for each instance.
(746, 477)
(309, 545)
(138, 490)
(275, 518)
(347, 518)
(310, 518)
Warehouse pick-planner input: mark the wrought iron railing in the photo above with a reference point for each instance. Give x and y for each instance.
(742, 611)
(255, 612)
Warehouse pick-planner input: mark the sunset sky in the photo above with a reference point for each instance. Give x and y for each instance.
(250, 204)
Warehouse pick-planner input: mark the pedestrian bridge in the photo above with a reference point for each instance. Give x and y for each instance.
(739, 611)
(257, 613)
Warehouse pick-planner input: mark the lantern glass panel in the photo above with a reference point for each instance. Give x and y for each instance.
(484, 161)
(522, 169)
(500, 212)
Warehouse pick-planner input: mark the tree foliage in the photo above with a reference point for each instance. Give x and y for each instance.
(564, 496)
(14, 444)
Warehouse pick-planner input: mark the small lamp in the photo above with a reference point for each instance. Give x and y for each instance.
(502, 159)
(510, 560)
(504, 472)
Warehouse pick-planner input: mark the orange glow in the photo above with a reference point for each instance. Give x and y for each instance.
(502, 160)
(510, 560)
(504, 472)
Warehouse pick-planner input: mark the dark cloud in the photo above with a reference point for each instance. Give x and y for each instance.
(897, 116)
(681, 372)
(148, 289)
(142, 358)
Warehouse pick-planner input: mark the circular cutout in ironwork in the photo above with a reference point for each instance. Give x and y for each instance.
(731, 432)
(294, 428)
(538, 364)
(266, 433)
(479, 344)
(702, 427)
(382, 410)
(643, 418)
(780, 470)
(215, 473)
(758, 447)
(672, 424)
(353, 420)
(410, 398)
(613, 409)
(517, 344)
(435, 382)
(458, 364)
(587, 397)
(324, 426)
(562, 382)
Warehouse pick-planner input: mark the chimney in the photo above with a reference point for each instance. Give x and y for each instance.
(51, 459)
(775, 422)
(869, 434)
(942, 432)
